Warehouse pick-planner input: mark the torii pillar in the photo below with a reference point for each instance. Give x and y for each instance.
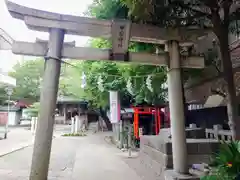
(44, 133)
(176, 106)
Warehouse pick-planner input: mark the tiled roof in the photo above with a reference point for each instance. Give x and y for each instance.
(65, 99)
(22, 104)
(12, 109)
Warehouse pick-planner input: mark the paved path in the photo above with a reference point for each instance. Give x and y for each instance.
(72, 158)
(21, 137)
(18, 138)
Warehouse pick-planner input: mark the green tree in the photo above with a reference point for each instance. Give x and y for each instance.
(107, 9)
(220, 15)
(28, 76)
(116, 75)
(70, 80)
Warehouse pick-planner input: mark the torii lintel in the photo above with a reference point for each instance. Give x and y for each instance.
(42, 21)
(79, 53)
(6, 41)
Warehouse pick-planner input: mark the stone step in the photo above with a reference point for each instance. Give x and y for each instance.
(166, 160)
(171, 175)
(157, 156)
(197, 172)
(155, 167)
(141, 169)
(194, 146)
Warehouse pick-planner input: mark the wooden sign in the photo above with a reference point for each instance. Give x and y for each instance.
(120, 39)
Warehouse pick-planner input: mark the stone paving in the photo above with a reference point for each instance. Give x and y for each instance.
(20, 137)
(72, 158)
(142, 170)
(17, 138)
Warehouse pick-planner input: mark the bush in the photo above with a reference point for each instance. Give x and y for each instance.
(75, 134)
(226, 163)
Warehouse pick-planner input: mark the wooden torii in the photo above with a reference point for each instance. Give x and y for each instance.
(121, 32)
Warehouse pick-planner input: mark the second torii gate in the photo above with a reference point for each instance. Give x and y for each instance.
(122, 32)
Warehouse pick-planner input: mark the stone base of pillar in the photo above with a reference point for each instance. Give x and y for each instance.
(156, 151)
(172, 175)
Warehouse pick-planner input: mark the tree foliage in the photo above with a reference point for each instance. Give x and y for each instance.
(28, 77)
(29, 74)
(107, 9)
(115, 75)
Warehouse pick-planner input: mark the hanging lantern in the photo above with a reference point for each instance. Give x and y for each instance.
(100, 84)
(129, 86)
(149, 83)
(84, 80)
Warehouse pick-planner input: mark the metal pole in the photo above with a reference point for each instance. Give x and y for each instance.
(8, 110)
(43, 138)
(9, 92)
(176, 105)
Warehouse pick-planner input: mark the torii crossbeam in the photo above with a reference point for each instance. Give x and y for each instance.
(5, 40)
(121, 32)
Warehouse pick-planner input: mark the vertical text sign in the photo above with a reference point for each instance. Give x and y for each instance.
(120, 36)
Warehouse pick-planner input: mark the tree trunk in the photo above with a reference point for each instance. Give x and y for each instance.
(103, 114)
(232, 107)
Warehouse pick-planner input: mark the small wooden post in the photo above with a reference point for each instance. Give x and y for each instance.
(32, 125)
(121, 134)
(72, 125)
(65, 113)
(129, 140)
(77, 124)
(35, 124)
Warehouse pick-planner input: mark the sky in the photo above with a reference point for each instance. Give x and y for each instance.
(19, 31)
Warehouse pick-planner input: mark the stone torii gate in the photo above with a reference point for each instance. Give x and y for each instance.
(121, 32)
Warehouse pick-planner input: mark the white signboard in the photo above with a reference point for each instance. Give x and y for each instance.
(114, 107)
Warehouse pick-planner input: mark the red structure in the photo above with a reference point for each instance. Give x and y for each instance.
(147, 111)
